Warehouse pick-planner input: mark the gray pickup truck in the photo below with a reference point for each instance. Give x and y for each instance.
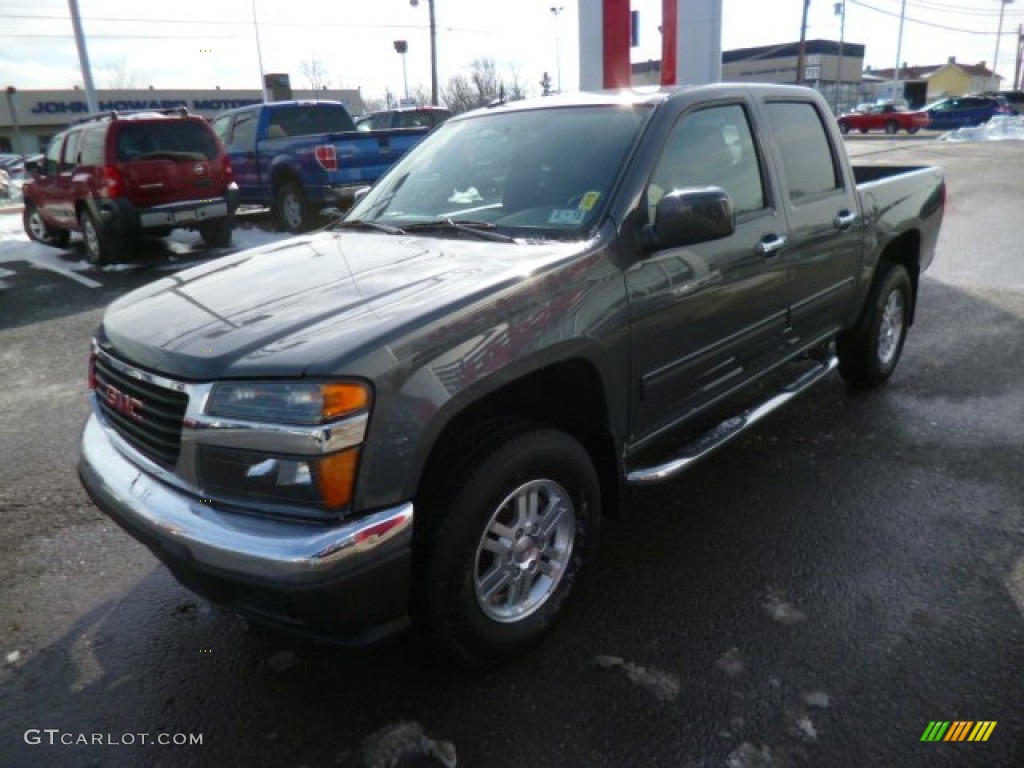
(425, 411)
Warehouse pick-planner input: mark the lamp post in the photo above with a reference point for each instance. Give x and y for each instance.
(17, 148)
(433, 49)
(999, 36)
(402, 47)
(840, 9)
(556, 10)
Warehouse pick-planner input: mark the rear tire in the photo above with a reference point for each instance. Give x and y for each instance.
(292, 209)
(37, 229)
(515, 529)
(844, 128)
(869, 352)
(99, 245)
(217, 233)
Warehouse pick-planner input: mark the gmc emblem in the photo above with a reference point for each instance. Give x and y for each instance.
(121, 402)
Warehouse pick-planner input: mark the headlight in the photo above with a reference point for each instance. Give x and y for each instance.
(252, 469)
(287, 402)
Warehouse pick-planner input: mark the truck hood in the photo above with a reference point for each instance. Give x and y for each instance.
(310, 304)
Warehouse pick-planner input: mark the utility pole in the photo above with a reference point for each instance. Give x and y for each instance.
(1017, 82)
(899, 41)
(801, 56)
(259, 54)
(83, 58)
(999, 37)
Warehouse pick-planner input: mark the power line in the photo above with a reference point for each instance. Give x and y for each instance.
(986, 33)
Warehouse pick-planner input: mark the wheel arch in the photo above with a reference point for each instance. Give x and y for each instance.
(568, 395)
(904, 250)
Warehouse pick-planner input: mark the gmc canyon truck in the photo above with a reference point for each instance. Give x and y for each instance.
(298, 157)
(424, 411)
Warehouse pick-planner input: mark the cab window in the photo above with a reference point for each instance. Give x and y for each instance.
(712, 147)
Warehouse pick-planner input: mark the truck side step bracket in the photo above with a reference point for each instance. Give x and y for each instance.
(730, 428)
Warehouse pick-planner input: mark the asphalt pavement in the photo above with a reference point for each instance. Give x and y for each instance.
(817, 593)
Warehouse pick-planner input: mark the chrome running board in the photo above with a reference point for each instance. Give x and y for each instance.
(730, 428)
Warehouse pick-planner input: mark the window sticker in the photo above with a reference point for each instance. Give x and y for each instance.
(589, 200)
(573, 216)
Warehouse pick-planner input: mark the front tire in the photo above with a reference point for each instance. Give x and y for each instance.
(869, 352)
(844, 128)
(37, 229)
(515, 530)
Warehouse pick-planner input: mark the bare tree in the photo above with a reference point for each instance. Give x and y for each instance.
(480, 87)
(117, 75)
(315, 73)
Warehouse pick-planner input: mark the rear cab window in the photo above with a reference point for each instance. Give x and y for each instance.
(810, 166)
(308, 119)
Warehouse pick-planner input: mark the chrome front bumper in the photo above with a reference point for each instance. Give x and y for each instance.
(197, 534)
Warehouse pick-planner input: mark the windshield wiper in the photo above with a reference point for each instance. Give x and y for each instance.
(367, 224)
(482, 229)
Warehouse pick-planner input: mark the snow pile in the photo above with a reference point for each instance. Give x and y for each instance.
(999, 128)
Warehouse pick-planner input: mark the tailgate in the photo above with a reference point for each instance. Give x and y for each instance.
(365, 156)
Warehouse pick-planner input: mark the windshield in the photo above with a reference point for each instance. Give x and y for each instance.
(539, 173)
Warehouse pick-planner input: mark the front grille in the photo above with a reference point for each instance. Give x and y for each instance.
(148, 416)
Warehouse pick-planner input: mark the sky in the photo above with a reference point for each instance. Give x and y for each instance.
(194, 44)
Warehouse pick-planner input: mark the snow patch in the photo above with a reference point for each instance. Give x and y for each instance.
(746, 755)
(777, 609)
(731, 662)
(664, 686)
(817, 699)
(405, 743)
(999, 128)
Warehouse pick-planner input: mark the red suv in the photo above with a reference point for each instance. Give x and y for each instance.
(116, 176)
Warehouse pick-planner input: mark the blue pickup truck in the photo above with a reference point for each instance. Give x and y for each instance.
(299, 157)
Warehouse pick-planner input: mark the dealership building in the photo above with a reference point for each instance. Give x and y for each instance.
(832, 67)
(29, 119)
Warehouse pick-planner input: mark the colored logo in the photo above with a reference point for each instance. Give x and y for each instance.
(958, 730)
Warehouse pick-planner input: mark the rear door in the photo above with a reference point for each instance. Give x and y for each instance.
(823, 249)
(168, 161)
(707, 317)
(62, 202)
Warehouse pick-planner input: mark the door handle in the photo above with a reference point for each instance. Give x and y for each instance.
(844, 219)
(771, 245)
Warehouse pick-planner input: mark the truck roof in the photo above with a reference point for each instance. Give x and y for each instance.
(638, 96)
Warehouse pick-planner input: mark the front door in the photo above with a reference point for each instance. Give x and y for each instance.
(707, 317)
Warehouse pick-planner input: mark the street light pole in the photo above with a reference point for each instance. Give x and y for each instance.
(433, 49)
(402, 47)
(557, 11)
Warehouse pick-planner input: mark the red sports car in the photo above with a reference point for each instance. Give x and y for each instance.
(890, 118)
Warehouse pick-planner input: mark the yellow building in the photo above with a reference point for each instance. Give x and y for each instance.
(949, 79)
